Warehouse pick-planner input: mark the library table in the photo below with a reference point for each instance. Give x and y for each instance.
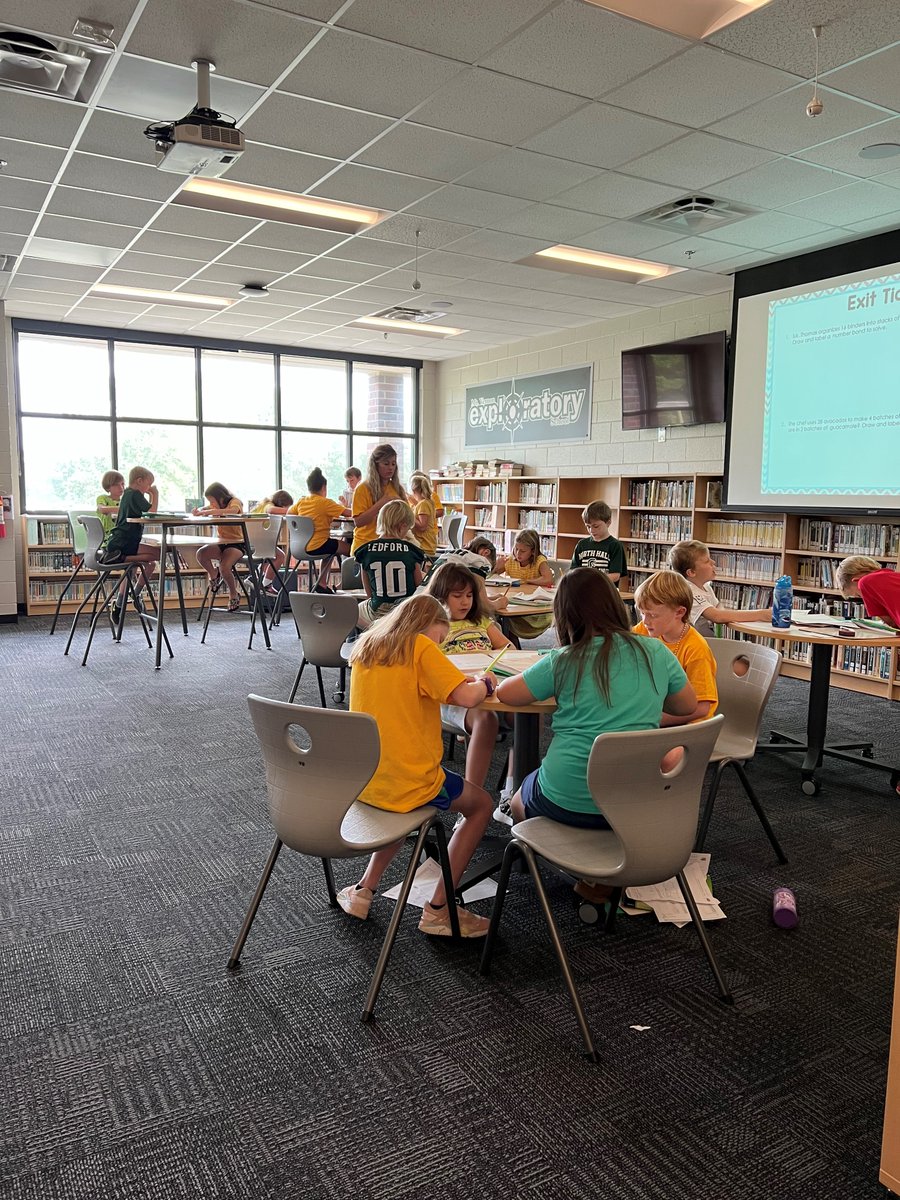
(169, 521)
(816, 748)
(506, 611)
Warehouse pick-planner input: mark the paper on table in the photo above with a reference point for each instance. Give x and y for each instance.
(512, 663)
(540, 595)
(666, 901)
(424, 882)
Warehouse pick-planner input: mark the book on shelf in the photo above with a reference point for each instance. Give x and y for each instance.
(714, 494)
(537, 519)
(769, 534)
(660, 528)
(844, 537)
(537, 493)
(661, 493)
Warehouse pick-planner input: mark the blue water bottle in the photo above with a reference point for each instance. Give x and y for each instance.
(782, 602)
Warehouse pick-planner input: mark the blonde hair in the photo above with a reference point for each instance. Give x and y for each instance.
(373, 479)
(390, 641)
(683, 555)
(421, 483)
(667, 588)
(853, 568)
(529, 538)
(110, 478)
(137, 473)
(396, 520)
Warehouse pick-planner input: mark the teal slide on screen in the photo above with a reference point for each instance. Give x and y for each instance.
(831, 418)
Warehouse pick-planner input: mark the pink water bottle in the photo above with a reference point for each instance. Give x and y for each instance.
(784, 908)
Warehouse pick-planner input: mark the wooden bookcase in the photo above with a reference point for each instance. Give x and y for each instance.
(652, 512)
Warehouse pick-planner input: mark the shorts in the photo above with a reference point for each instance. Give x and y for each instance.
(324, 549)
(368, 614)
(452, 790)
(240, 546)
(536, 804)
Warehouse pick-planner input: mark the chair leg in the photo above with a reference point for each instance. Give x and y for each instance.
(97, 614)
(296, 683)
(394, 924)
(440, 834)
(530, 859)
(724, 994)
(212, 604)
(610, 923)
(81, 607)
(329, 882)
(512, 852)
(63, 594)
(321, 686)
(708, 807)
(235, 958)
(760, 811)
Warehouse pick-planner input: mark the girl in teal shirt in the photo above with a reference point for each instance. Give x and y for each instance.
(604, 678)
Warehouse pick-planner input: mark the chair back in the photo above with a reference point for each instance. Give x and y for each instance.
(351, 574)
(79, 531)
(300, 530)
(742, 697)
(94, 537)
(264, 536)
(457, 529)
(324, 622)
(558, 566)
(654, 816)
(449, 514)
(309, 791)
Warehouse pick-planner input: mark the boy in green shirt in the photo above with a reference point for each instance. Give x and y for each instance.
(113, 484)
(600, 551)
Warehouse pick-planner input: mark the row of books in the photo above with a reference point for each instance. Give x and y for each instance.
(743, 595)
(747, 566)
(745, 533)
(657, 493)
(51, 560)
(537, 519)
(481, 468)
(489, 518)
(846, 538)
(817, 572)
(43, 591)
(491, 493)
(874, 661)
(48, 531)
(451, 493)
(537, 493)
(648, 556)
(660, 528)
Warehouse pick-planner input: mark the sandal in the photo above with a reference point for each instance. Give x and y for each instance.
(234, 604)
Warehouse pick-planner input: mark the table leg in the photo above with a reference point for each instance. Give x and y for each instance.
(817, 713)
(526, 745)
(161, 608)
(179, 586)
(255, 574)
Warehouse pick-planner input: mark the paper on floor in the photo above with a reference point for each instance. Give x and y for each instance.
(424, 882)
(666, 900)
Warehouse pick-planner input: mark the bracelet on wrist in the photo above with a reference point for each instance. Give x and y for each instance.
(488, 687)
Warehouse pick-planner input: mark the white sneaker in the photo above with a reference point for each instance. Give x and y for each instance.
(503, 811)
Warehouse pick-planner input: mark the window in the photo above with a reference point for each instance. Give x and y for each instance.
(155, 382)
(300, 452)
(70, 458)
(63, 375)
(313, 393)
(169, 451)
(238, 388)
(383, 399)
(242, 459)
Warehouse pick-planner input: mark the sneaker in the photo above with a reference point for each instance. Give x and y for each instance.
(110, 557)
(324, 589)
(597, 893)
(355, 901)
(116, 614)
(436, 922)
(503, 811)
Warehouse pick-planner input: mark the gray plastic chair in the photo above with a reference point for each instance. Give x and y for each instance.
(456, 530)
(653, 818)
(742, 701)
(300, 530)
(558, 566)
(79, 537)
(351, 575)
(312, 796)
(324, 623)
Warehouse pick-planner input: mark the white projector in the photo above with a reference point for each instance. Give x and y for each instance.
(199, 148)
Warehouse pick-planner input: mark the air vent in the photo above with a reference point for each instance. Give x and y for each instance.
(419, 315)
(7, 262)
(68, 66)
(696, 214)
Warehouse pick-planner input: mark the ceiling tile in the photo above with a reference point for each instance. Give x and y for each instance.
(857, 202)
(624, 237)
(299, 240)
(701, 283)
(100, 206)
(368, 186)
(874, 78)
(54, 270)
(344, 68)
(449, 265)
(503, 247)
(201, 249)
(159, 91)
(842, 154)
(697, 161)
(95, 173)
(263, 258)
(310, 284)
(699, 251)
(158, 264)
(117, 136)
(603, 136)
(340, 306)
(779, 182)
(17, 221)
(780, 123)
(300, 124)
(524, 173)
(481, 104)
(195, 222)
(454, 203)
(250, 43)
(284, 170)
(236, 276)
(25, 194)
(95, 233)
(615, 195)
(583, 49)
(890, 178)
(770, 229)
(461, 29)
(378, 254)
(551, 223)
(402, 228)
(702, 85)
(337, 269)
(434, 153)
(135, 279)
(27, 161)
(884, 224)
(42, 119)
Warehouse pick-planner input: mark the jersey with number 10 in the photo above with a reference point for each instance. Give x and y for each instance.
(390, 566)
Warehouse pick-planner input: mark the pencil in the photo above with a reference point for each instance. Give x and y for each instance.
(493, 663)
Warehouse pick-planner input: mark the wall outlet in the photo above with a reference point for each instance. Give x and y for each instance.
(661, 433)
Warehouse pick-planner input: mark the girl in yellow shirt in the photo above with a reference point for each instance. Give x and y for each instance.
(425, 527)
(230, 547)
(382, 483)
(401, 678)
(322, 511)
(528, 564)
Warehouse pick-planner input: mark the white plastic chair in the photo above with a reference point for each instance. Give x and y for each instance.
(653, 818)
(78, 534)
(456, 530)
(351, 575)
(324, 622)
(313, 802)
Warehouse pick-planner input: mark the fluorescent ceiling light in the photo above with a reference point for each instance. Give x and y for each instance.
(152, 296)
(419, 327)
(269, 205)
(691, 18)
(81, 254)
(590, 262)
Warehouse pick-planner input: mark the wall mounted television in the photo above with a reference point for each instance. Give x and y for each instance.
(676, 383)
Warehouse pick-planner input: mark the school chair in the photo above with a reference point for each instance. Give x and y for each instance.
(313, 801)
(558, 567)
(745, 678)
(653, 818)
(78, 535)
(456, 530)
(324, 623)
(263, 538)
(300, 532)
(351, 575)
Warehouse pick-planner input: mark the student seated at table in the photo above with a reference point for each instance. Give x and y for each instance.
(401, 678)
(877, 587)
(352, 477)
(600, 550)
(425, 528)
(664, 601)
(382, 484)
(472, 629)
(528, 564)
(392, 565)
(277, 504)
(124, 544)
(604, 678)
(113, 484)
(478, 557)
(322, 511)
(230, 547)
(692, 560)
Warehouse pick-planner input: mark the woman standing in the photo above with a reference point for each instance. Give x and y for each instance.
(382, 483)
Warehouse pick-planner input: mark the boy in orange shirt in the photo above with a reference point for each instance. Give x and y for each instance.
(665, 604)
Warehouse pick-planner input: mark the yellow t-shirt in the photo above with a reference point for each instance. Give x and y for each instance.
(231, 533)
(362, 499)
(427, 537)
(515, 570)
(405, 701)
(321, 511)
(696, 658)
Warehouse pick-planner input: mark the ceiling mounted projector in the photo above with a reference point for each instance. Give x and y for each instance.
(203, 144)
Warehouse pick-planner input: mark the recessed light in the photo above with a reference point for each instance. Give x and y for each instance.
(686, 17)
(153, 296)
(268, 205)
(591, 262)
(880, 150)
(419, 327)
(251, 291)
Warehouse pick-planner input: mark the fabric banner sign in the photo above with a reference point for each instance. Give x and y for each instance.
(553, 406)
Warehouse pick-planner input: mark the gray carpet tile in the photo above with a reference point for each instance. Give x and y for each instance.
(135, 1066)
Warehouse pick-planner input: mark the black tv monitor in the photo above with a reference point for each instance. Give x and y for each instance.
(676, 383)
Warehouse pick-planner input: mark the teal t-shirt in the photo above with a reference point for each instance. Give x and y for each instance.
(607, 555)
(637, 690)
(390, 566)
